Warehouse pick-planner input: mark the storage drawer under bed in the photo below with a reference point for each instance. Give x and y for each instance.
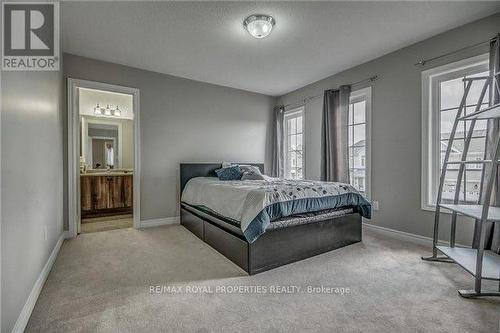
(231, 246)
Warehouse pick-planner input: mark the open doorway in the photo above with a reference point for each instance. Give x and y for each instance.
(103, 157)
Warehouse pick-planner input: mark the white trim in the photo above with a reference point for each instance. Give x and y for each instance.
(406, 236)
(28, 307)
(365, 94)
(160, 222)
(74, 148)
(430, 82)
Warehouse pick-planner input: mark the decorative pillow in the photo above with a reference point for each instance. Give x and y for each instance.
(249, 168)
(226, 164)
(229, 173)
(252, 175)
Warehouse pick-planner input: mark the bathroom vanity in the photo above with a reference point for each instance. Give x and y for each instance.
(106, 193)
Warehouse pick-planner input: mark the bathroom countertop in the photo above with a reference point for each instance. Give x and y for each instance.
(107, 174)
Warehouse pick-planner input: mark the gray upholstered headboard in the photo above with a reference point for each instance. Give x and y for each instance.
(191, 170)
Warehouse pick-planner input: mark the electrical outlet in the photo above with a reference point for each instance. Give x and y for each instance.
(45, 233)
(375, 205)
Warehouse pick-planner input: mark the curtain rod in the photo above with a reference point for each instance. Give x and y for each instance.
(422, 62)
(309, 98)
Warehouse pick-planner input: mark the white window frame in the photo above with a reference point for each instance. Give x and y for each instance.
(293, 113)
(430, 121)
(365, 94)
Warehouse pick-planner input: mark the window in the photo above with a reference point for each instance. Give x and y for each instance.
(358, 139)
(294, 144)
(442, 92)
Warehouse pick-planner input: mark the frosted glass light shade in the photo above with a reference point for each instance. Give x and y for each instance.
(259, 26)
(97, 110)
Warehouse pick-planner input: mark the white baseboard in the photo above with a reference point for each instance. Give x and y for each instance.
(160, 222)
(406, 236)
(25, 314)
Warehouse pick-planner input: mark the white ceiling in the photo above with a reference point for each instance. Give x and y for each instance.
(206, 41)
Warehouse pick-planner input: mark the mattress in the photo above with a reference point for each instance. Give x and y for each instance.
(307, 218)
(252, 205)
(281, 223)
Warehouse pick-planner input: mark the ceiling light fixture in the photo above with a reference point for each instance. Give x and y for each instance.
(259, 26)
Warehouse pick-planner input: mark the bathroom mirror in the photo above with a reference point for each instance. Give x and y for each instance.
(106, 143)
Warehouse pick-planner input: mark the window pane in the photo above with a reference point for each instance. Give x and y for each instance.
(350, 135)
(351, 158)
(476, 149)
(475, 90)
(300, 174)
(299, 161)
(473, 182)
(299, 141)
(449, 186)
(447, 118)
(449, 98)
(293, 142)
(479, 127)
(299, 124)
(293, 128)
(456, 150)
(359, 157)
(293, 159)
(359, 112)
(359, 135)
(350, 112)
(451, 93)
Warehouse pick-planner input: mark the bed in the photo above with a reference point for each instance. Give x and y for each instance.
(271, 238)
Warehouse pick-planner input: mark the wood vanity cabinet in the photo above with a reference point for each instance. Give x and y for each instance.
(106, 195)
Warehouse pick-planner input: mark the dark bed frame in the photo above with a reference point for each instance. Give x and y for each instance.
(275, 247)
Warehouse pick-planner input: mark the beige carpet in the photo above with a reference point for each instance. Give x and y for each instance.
(98, 224)
(101, 283)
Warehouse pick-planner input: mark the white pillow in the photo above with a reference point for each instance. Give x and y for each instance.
(243, 167)
(252, 175)
(249, 168)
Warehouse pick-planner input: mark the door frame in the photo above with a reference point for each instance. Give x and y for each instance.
(74, 148)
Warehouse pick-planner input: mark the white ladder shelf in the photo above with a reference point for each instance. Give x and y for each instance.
(481, 263)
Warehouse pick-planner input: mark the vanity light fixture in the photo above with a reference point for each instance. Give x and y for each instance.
(259, 25)
(107, 112)
(117, 112)
(97, 110)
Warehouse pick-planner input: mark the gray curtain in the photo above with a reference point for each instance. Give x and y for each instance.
(493, 231)
(278, 162)
(334, 143)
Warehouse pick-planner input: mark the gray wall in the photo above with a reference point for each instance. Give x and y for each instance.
(396, 124)
(183, 121)
(32, 185)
